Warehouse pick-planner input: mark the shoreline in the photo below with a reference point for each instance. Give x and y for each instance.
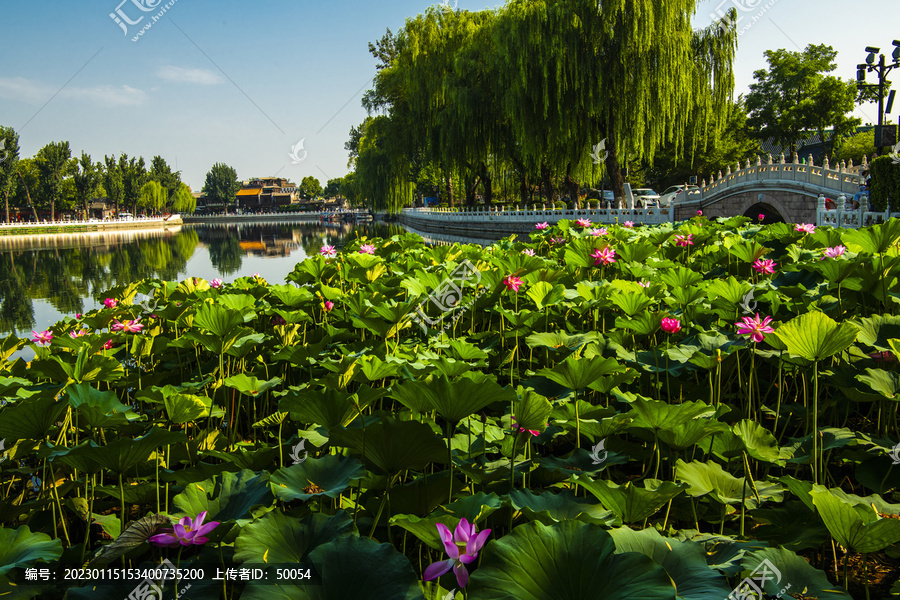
(24, 229)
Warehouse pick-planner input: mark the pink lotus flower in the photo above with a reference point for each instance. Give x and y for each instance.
(134, 326)
(699, 213)
(528, 252)
(512, 283)
(78, 315)
(519, 429)
(43, 338)
(628, 224)
(78, 334)
(604, 256)
(644, 284)
(328, 305)
(462, 548)
(682, 240)
(216, 283)
(671, 325)
(367, 249)
(558, 240)
(754, 327)
(110, 303)
(834, 252)
(765, 266)
(328, 251)
(805, 228)
(598, 232)
(278, 320)
(543, 225)
(761, 217)
(187, 532)
(583, 222)
(109, 345)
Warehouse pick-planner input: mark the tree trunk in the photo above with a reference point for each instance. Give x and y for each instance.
(548, 184)
(488, 187)
(572, 186)
(28, 195)
(6, 204)
(449, 181)
(471, 189)
(613, 167)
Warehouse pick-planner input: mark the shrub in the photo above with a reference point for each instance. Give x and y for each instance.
(885, 184)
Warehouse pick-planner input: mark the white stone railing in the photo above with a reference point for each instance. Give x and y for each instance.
(850, 219)
(535, 214)
(840, 180)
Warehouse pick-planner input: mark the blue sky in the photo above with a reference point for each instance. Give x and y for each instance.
(243, 82)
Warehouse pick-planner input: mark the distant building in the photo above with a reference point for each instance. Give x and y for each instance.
(266, 193)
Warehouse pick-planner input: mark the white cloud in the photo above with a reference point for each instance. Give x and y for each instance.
(37, 92)
(187, 75)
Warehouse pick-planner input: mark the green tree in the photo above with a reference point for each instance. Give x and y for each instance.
(87, 178)
(795, 96)
(332, 188)
(310, 187)
(161, 172)
(153, 196)
(183, 201)
(221, 185)
(112, 181)
(134, 173)
(855, 147)
(28, 178)
(9, 161)
(53, 161)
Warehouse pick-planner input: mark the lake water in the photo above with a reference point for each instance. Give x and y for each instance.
(45, 278)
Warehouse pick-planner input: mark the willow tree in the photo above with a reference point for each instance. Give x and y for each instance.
(9, 161)
(382, 166)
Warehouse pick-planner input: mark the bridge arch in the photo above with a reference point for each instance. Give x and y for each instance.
(766, 204)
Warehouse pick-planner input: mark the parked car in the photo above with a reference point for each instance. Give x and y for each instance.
(609, 199)
(676, 193)
(644, 197)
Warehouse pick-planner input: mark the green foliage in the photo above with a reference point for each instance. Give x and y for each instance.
(222, 185)
(885, 190)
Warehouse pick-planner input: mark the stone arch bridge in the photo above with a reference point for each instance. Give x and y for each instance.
(782, 191)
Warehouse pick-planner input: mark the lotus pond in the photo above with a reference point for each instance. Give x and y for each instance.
(701, 412)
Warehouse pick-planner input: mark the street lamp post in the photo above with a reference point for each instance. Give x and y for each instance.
(882, 69)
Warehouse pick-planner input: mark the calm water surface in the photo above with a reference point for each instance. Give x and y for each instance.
(45, 278)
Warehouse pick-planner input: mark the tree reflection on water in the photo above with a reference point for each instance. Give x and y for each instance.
(66, 270)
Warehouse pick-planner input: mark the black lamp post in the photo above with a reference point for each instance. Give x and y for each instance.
(882, 69)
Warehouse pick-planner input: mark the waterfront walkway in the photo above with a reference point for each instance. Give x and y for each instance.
(31, 228)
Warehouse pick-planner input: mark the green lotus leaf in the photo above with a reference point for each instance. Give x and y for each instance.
(393, 446)
(99, 409)
(815, 336)
(875, 239)
(124, 454)
(329, 408)
(531, 410)
(886, 383)
(251, 386)
(686, 435)
(277, 539)
(220, 321)
(226, 497)
(656, 415)
(30, 419)
(453, 400)
(475, 508)
(684, 561)
(354, 568)
(857, 527)
(710, 478)
(565, 561)
(550, 507)
(629, 502)
(758, 441)
(546, 294)
(791, 525)
(331, 474)
(21, 548)
(577, 374)
(792, 570)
